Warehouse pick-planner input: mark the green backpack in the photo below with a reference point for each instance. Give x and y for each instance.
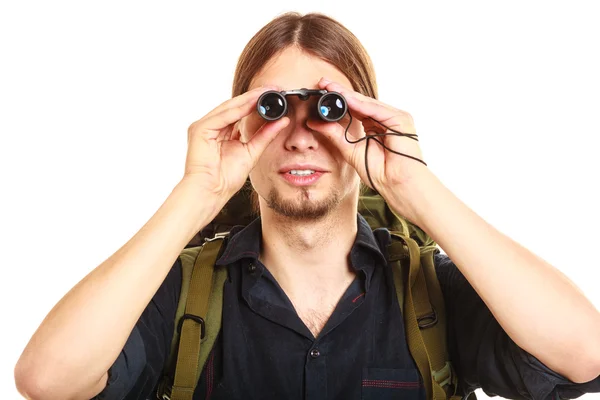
(198, 317)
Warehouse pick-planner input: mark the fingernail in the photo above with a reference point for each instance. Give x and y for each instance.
(325, 81)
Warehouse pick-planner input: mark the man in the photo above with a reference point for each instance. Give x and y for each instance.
(309, 307)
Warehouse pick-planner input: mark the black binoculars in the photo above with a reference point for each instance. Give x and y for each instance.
(331, 106)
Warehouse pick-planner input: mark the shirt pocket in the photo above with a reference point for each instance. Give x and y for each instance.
(384, 383)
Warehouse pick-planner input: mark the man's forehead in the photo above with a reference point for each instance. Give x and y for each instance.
(294, 68)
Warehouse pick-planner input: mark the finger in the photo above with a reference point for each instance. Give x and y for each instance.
(265, 135)
(236, 134)
(229, 133)
(336, 133)
(324, 83)
(225, 134)
(251, 95)
(213, 122)
(371, 127)
(213, 125)
(364, 105)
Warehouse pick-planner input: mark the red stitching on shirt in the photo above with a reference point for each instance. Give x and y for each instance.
(358, 297)
(210, 376)
(228, 250)
(389, 384)
(252, 253)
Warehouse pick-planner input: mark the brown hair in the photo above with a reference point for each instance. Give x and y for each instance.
(318, 35)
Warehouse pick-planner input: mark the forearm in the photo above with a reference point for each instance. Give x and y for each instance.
(539, 308)
(83, 334)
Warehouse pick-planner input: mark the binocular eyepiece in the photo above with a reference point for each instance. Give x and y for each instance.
(331, 107)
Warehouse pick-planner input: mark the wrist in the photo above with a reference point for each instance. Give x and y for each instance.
(414, 198)
(200, 204)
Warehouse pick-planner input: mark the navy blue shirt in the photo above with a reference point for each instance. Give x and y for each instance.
(265, 351)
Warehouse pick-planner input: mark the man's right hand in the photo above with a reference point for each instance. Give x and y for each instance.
(87, 329)
(217, 160)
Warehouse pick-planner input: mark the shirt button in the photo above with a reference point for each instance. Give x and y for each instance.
(314, 353)
(251, 267)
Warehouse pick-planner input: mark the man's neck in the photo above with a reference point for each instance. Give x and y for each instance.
(310, 261)
(309, 255)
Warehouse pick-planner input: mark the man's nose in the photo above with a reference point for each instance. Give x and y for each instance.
(301, 138)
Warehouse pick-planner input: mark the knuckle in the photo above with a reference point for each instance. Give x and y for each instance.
(192, 128)
(407, 116)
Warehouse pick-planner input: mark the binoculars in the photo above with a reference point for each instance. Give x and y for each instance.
(273, 105)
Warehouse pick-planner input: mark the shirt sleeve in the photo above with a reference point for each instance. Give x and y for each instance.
(137, 369)
(483, 354)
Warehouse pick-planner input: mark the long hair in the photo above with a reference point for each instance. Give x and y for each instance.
(318, 35)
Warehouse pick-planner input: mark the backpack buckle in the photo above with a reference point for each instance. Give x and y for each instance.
(445, 375)
(164, 389)
(195, 318)
(429, 320)
(219, 235)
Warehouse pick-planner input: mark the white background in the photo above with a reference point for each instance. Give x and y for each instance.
(96, 99)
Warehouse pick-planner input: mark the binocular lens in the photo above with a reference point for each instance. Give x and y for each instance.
(332, 107)
(272, 105)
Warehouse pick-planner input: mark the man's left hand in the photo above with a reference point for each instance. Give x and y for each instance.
(386, 169)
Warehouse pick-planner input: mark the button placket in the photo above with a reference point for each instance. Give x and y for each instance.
(316, 374)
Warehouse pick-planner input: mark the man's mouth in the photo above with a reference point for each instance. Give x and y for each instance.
(302, 177)
(301, 172)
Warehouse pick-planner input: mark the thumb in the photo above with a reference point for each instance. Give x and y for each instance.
(264, 136)
(335, 133)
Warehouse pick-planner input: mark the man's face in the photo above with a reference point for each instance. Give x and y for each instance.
(296, 144)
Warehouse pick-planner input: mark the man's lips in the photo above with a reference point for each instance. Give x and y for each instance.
(301, 167)
(302, 180)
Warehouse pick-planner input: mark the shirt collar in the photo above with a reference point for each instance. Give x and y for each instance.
(244, 242)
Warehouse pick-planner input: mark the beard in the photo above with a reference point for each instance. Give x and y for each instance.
(302, 207)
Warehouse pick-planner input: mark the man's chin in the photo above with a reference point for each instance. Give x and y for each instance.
(304, 206)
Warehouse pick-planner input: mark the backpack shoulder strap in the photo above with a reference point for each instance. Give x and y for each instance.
(198, 318)
(422, 303)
